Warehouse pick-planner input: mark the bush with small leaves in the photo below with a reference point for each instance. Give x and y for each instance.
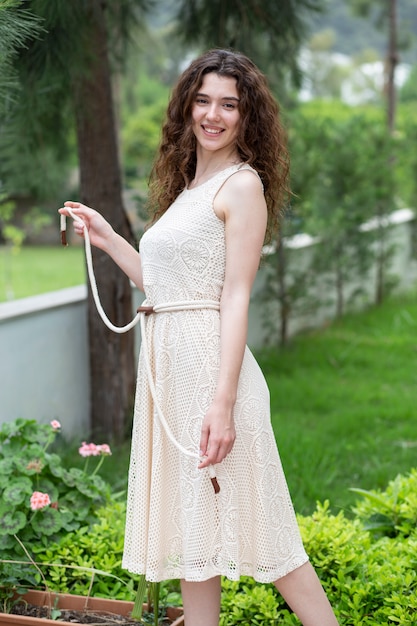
(369, 580)
(370, 577)
(89, 560)
(393, 511)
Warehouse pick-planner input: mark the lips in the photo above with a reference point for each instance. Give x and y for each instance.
(212, 131)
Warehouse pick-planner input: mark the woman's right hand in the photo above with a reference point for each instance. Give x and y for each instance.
(99, 230)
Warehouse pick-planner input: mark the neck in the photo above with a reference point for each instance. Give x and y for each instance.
(207, 167)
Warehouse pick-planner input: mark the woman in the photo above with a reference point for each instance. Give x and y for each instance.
(217, 187)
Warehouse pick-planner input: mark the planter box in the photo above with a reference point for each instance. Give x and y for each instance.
(99, 606)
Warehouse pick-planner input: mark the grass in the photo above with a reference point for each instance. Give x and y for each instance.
(343, 403)
(343, 398)
(34, 270)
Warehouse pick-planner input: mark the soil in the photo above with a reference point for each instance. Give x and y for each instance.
(82, 617)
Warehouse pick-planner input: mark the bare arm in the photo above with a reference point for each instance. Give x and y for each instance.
(104, 237)
(241, 204)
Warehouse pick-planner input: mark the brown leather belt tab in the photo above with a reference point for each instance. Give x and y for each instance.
(145, 309)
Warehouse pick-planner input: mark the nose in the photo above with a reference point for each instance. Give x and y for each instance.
(213, 112)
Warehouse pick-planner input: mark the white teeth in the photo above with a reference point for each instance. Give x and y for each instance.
(212, 131)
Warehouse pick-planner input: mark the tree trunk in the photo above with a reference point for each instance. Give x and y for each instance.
(283, 293)
(380, 262)
(111, 355)
(392, 62)
(340, 299)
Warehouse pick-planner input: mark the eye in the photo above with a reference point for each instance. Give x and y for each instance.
(200, 100)
(229, 105)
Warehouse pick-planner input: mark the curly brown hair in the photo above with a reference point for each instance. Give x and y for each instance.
(261, 141)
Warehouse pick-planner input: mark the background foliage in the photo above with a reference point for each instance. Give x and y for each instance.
(368, 571)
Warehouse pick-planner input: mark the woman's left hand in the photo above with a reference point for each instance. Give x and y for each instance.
(217, 435)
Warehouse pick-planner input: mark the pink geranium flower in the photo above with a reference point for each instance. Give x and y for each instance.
(104, 449)
(39, 500)
(55, 425)
(91, 449)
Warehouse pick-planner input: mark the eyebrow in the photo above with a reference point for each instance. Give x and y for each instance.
(224, 98)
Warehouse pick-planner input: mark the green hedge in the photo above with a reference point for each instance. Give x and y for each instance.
(368, 564)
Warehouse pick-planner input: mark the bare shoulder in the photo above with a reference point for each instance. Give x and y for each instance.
(242, 189)
(245, 180)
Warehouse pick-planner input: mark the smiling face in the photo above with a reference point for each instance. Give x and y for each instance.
(215, 113)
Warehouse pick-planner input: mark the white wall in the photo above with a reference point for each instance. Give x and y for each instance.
(44, 371)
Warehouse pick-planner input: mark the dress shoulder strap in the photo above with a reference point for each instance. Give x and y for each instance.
(218, 181)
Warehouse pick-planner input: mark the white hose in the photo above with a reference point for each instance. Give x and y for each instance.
(93, 283)
(163, 307)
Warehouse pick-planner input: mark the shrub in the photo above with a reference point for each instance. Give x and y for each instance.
(369, 575)
(368, 580)
(98, 548)
(391, 512)
(246, 602)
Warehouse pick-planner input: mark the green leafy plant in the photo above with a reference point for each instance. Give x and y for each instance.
(15, 580)
(393, 511)
(40, 499)
(101, 546)
(369, 574)
(246, 602)
(369, 578)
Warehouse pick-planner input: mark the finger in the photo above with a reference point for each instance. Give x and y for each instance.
(213, 456)
(66, 211)
(79, 228)
(206, 462)
(216, 454)
(204, 438)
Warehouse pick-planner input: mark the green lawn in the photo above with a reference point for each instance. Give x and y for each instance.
(34, 270)
(344, 404)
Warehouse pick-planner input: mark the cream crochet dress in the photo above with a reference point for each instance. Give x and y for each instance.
(176, 526)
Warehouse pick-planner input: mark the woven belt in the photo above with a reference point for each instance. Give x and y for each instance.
(183, 305)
